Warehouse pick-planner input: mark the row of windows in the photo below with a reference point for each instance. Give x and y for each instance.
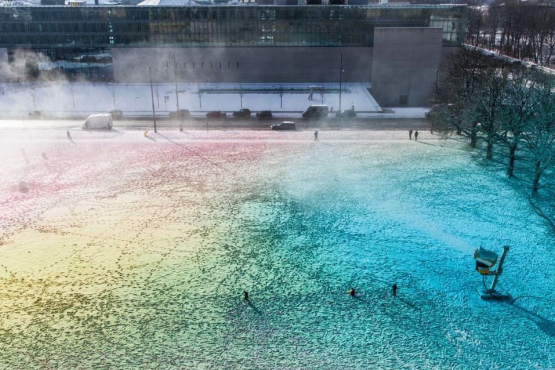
(212, 27)
(198, 39)
(185, 33)
(55, 27)
(105, 13)
(216, 29)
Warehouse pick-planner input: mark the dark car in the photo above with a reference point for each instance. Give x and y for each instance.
(216, 114)
(346, 114)
(264, 114)
(285, 125)
(316, 112)
(104, 59)
(243, 113)
(180, 114)
(116, 114)
(35, 114)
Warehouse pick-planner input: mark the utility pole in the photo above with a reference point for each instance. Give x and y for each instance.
(175, 79)
(72, 94)
(113, 96)
(157, 95)
(152, 96)
(340, 80)
(34, 101)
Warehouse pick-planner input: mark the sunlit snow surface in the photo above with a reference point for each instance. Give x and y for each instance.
(133, 252)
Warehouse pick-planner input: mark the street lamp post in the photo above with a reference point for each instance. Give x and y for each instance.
(114, 96)
(34, 100)
(175, 80)
(152, 96)
(340, 80)
(72, 94)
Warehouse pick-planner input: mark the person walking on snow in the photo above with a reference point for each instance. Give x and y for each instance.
(316, 135)
(416, 135)
(410, 134)
(69, 136)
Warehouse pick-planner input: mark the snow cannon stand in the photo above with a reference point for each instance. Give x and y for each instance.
(485, 260)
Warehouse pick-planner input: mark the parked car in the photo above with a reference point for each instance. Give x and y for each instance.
(98, 122)
(346, 114)
(104, 59)
(316, 112)
(35, 114)
(180, 114)
(264, 114)
(116, 114)
(216, 114)
(242, 113)
(285, 125)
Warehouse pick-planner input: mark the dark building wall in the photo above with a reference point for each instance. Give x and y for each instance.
(405, 65)
(3, 64)
(247, 65)
(52, 2)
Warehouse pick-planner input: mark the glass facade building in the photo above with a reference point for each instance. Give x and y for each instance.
(97, 27)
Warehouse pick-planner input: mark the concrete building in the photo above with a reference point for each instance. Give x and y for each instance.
(397, 49)
(404, 68)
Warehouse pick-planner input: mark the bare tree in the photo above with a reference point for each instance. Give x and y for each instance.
(514, 28)
(539, 137)
(519, 104)
(455, 105)
(486, 104)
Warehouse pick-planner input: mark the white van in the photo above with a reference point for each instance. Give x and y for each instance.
(98, 122)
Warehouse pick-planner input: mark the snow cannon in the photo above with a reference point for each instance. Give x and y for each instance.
(484, 260)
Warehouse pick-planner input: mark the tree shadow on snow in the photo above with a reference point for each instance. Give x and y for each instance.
(545, 325)
(464, 149)
(254, 308)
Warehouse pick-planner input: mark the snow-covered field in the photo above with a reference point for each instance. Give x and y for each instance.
(133, 252)
(63, 99)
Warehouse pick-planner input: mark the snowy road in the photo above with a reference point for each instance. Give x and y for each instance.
(228, 124)
(124, 251)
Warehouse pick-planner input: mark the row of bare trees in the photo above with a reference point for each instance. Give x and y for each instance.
(506, 109)
(517, 29)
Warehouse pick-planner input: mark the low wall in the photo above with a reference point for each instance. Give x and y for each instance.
(246, 65)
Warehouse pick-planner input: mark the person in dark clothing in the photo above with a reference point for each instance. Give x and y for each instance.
(394, 289)
(416, 135)
(410, 134)
(316, 135)
(246, 295)
(352, 292)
